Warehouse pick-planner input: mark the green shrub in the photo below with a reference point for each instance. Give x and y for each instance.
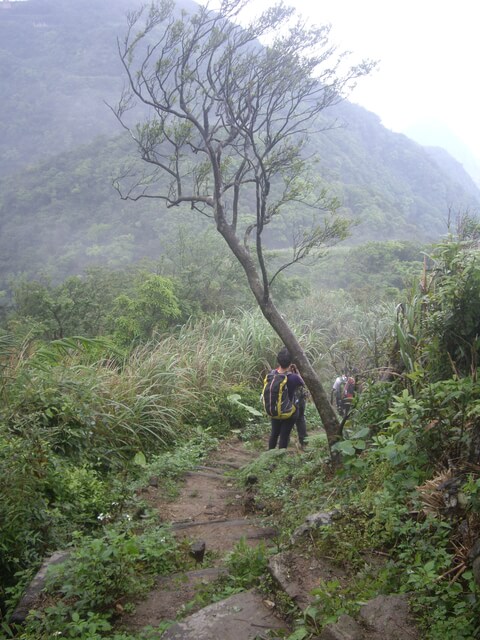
(25, 520)
(98, 573)
(246, 563)
(226, 410)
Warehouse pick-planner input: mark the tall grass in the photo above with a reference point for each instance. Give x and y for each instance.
(344, 334)
(84, 396)
(84, 405)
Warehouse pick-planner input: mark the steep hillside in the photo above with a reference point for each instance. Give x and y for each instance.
(58, 67)
(58, 210)
(392, 186)
(64, 214)
(432, 133)
(57, 64)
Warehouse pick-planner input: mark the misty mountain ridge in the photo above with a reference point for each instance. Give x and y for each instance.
(59, 65)
(436, 135)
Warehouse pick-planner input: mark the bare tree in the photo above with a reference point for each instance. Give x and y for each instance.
(229, 120)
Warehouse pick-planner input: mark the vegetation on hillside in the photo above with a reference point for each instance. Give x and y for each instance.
(98, 418)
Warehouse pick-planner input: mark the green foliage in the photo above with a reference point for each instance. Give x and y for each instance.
(235, 398)
(452, 324)
(132, 304)
(330, 603)
(409, 334)
(452, 607)
(154, 308)
(246, 564)
(371, 272)
(354, 443)
(25, 521)
(373, 403)
(43, 498)
(438, 422)
(81, 494)
(98, 572)
(59, 620)
(223, 412)
(101, 569)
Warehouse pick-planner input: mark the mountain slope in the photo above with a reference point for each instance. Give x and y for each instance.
(60, 65)
(393, 186)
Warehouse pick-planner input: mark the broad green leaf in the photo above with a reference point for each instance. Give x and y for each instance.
(140, 459)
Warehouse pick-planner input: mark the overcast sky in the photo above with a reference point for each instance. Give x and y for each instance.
(428, 52)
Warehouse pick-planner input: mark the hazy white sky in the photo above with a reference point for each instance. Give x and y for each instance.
(428, 52)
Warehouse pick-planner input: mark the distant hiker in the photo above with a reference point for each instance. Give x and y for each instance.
(337, 392)
(348, 395)
(279, 399)
(300, 401)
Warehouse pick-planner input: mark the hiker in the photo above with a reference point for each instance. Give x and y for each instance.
(300, 400)
(337, 391)
(348, 395)
(281, 408)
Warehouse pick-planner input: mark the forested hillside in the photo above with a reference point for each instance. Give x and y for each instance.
(391, 185)
(57, 216)
(58, 64)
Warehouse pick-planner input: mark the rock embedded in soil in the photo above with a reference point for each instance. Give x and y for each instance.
(197, 550)
(297, 572)
(243, 616)
(313, 521)
(389, 617)
(36, 586)
(346, 628)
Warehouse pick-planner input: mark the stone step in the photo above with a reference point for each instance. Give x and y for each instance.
(167, 598)
(218, 470)
(243, 522)
(243, 616)
(203, 474)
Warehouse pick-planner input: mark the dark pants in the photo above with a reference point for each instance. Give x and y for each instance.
(301, 424)
(347, 406)
(339, 401)
(280, 433)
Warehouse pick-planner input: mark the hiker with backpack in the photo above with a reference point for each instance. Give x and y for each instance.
(348, 395)
(337, 392)
(278, 398)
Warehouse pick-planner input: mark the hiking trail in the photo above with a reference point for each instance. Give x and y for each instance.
(212, 513)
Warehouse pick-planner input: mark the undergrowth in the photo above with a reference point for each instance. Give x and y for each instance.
(393, 529)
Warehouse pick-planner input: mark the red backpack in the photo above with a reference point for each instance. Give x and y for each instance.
(349, 388)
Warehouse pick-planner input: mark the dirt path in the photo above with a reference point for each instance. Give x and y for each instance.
(209, 510)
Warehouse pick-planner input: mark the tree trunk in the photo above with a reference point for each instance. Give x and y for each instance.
(327, 414)
(319, 396)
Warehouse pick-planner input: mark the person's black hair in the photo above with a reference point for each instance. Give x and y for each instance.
(284, 358)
